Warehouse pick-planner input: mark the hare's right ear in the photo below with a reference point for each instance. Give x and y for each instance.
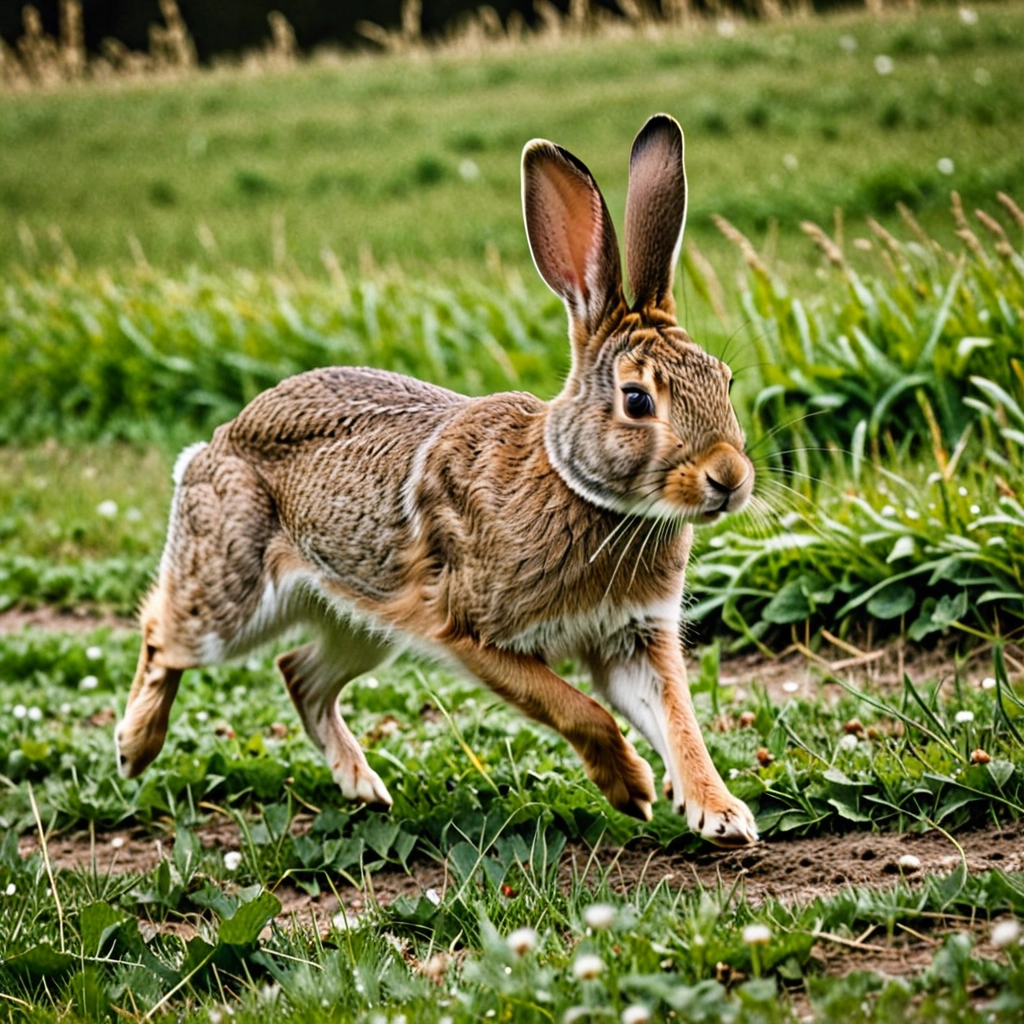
(571, 236)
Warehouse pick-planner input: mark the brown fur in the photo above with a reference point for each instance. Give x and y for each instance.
(502, 533)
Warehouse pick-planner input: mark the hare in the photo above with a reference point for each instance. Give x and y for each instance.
(501, 533)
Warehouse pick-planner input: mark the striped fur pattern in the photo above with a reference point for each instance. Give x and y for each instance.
(500, 534)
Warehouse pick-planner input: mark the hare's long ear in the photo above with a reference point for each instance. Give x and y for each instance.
(655, 212)
(571, 237)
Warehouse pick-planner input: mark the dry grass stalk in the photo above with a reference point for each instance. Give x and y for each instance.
(740, 240)
(820, 238)
(890, 241)
(283, 48)
(1012, 208)
(715, 291)
(72, 39)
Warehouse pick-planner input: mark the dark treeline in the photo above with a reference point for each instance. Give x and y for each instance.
(234, 26)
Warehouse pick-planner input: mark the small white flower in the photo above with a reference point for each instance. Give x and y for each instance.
(789, 686)
(35, 714)
(756, 934)
(11, 889)
(982, 76)
(345, 921)
(202, 716)
(370, 683)
(848, 44)
(968, 15)
(573, 1014)
(232, 859)
(88, 683)
(790, 161)
(636, 1014)
(599, 916)
(19, 711)
(65, 708)
(884, 64)
(587, 966)
(1004, 933)
(909, 862)
(433, 896)
(944, 165)
(117, 842)
(726, 28)
(912, 513)
(988, 683)
(962, 491)
(848, 742)
(107, 509)
(468, 170)
(888, 511)
(975, 510)
(963, 717)
(94, 653)
(522, 940)
(216, 1016)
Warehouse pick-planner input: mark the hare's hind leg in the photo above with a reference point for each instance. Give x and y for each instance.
(315, 674)
(140, 735)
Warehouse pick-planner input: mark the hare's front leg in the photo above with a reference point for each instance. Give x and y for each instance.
(610, 761)
(650, 689)
(315, 674)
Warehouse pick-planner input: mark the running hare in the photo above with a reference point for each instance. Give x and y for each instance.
(501, 533)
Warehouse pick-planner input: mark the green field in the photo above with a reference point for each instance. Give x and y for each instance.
(168, 249)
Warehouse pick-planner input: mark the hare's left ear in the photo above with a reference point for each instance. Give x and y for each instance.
(655, 212)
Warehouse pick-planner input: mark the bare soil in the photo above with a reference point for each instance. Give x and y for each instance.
(792, 870)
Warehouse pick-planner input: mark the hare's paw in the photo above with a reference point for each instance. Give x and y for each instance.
(722, 819)
(627, 782)
(136, 747)
(360, 783)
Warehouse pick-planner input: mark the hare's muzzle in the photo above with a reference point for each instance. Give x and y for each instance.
(727, 476)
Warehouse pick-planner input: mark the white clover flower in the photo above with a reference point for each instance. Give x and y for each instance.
(963, 717)
(975, 510)
(117, 842)
(790, 686)
(944, 165)
(11, 889)
(599, 916)
(216, 1016)
(19, 711)
(587, 966)
(884, 64)
(107, 509)
(757, 934)
(522, 940)
(1006, 933)
(636, 1014)
(848, 742)
(94, 653)
(909, 862)
(468, 170)
(962, 491)
(232, 860)
(988, 683)
(88, 683)
(968, 15)
(202, 716)
(35, 714)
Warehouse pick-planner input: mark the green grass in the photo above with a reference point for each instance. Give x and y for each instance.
(499, 826)
(416, 160)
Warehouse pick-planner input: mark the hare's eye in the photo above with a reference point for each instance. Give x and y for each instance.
(638, 403)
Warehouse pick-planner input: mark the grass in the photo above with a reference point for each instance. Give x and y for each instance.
(415, 160)
(235, 751)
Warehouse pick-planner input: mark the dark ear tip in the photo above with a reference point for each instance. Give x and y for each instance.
(539, 150)
(659, 126)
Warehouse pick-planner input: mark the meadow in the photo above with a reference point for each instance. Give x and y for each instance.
(170, 248)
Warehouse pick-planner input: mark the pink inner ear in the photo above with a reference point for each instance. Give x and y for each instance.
(569, 237)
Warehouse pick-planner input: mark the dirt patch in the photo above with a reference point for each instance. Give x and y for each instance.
(794, 870)
(78, 621)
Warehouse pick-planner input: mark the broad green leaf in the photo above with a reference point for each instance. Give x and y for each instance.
(892, 602)
(249, 919)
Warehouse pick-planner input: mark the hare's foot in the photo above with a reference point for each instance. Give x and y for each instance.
(140, 735)
(625, 779)
(721, 819)
(356, 779)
